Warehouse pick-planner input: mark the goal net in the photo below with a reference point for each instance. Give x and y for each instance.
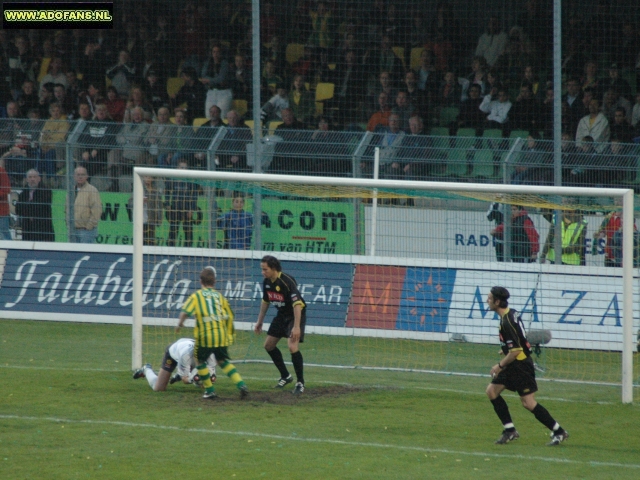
(396, 273)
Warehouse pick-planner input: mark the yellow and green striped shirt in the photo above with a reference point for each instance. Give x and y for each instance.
(214, 318)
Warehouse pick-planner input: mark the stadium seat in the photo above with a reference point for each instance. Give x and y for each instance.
(240, 106)
(416, 52)
(466, 132)
(399, 52)
(448, 115)
(439, 132)
(519, 134)
(484, 165)
(199, 121)
(172, 120)
(294, 52)
(272, 126)
(324, 91)
(492, 133)
(458, 163)
(174, 84)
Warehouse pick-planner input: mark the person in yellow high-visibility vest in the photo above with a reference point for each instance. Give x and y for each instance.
(574, 230)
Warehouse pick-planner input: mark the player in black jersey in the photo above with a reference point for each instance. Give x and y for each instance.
(515, 372)
(281, 290)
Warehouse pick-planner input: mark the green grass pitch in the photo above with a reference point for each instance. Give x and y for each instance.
(70, 409)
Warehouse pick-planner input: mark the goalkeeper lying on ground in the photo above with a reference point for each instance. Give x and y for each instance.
(178, 355)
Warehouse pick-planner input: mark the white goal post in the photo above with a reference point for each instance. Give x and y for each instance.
(497, 190)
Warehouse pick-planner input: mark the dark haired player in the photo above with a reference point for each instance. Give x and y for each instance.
(515, 372)
(281, 290)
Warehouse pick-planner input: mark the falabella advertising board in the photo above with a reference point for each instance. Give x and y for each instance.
(581, 306)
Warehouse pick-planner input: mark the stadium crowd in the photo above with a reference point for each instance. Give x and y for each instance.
(155, 90)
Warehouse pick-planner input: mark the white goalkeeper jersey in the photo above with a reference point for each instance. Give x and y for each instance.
(182, 352)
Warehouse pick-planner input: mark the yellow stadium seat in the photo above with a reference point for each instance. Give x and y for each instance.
(293, 52)
(240, 106)
(273, 125)
(399, 52)
(174, 84)
(172, 120)
(416, 52)
(197, 122)
(324, 91)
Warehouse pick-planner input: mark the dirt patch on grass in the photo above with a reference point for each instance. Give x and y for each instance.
(281, 396)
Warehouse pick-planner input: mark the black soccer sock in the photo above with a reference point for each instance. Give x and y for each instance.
(278, 361)
(502, 410)
(545, 418)
(298, 366)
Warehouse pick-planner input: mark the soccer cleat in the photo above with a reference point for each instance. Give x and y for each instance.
(558, 438)
(507, 437)
(210, 395)
(139, 373)
(299, 388)
(175, 378)
(244, 392)
(284, 381)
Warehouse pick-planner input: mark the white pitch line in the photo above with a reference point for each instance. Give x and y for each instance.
(321, 440)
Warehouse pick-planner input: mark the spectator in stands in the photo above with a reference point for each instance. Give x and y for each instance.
(99, 54)
(206, 132)
(426, 76)
(122, 74)
(192, 93)
(45, 98)
(547, 114)
(618, 83)
(270, 78)
(27, 98)
(498, 106)
(418, 98)
(626, 50)
(470, 115)
(91, 95)
(322, 26)
(75, 87)
(493, 42)
(574, 107)
(478, 76)
(159, 137)
(215, 75)
(22, 156)
(621, 129)
(84, 112)
(181, 142)
(138, 99)
(241, 79)
(389, 143)
(525, 113)
(34, 210)
(156, 91)
(590, 78)
(275, 53)
(404, 109)
(529, 76)
(383, 59)
(181, 199)
(635, 114)
(525, 241)
(272, 110)
(192, 33)
(534, 165)
(232, 150)
(289, 121)
(55, 73)
(5, 190)
(152, 210)
(348, 79)
(301, 101)
(87, 208)
(612, 101)
(449, 91)
(381, 117)
(237, 225)
(415, 146)
(97, 139)
(131, 149)
(594, 125)
(115, 105)
(21, 65)
(304, 65)
(11, 125)
(60, 97)
(386, 86)
(52, 138)
(516, 56)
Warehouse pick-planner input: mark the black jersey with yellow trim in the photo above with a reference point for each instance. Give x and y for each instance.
(282, 293)
(512, 334)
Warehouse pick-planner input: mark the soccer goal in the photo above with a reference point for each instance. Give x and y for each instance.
(396, 273)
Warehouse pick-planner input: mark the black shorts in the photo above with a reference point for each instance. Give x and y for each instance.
(281, 326)
(169, 363)
(519, 376)
(201, 354)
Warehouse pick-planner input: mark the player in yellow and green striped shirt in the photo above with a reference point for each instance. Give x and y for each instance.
(213, 332)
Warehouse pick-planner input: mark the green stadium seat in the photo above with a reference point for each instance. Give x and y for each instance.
(492, 133)
(448, 115)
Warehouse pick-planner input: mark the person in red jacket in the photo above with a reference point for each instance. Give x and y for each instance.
(525, 241)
